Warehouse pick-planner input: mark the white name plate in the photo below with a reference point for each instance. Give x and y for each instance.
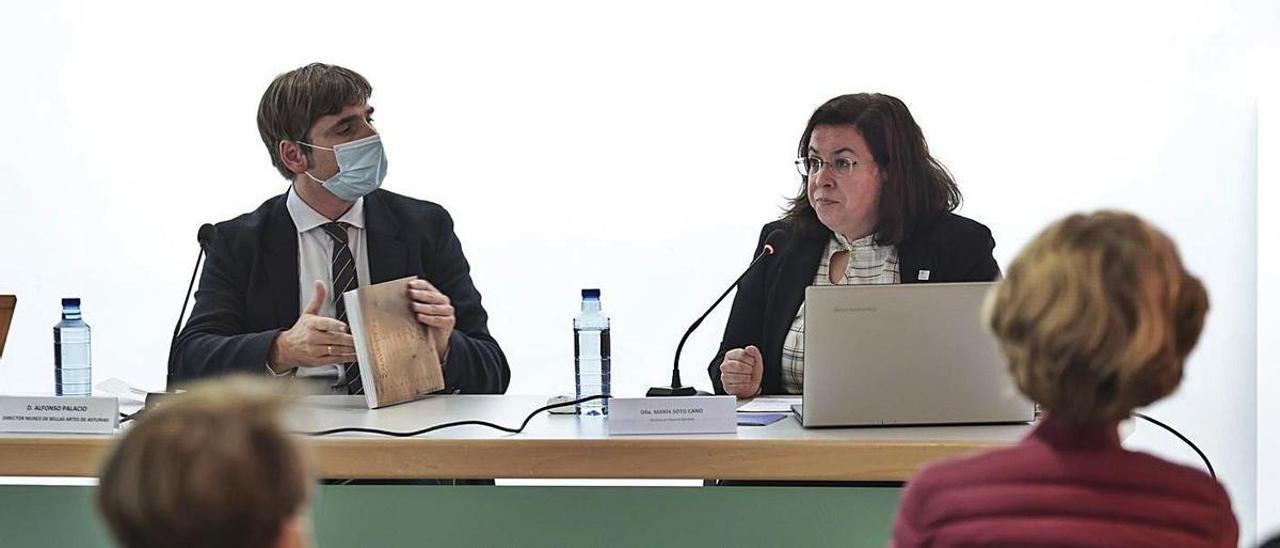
(674, 415)
(59, 415)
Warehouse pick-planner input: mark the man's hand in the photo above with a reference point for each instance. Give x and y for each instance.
(434, 311)
(312, 341)
(742, 371)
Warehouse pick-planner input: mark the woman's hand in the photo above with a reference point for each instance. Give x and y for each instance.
(742, 371)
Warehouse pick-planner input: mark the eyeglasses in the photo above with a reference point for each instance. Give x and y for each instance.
(809, 166)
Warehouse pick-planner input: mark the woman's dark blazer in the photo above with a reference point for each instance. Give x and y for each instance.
(949, 248)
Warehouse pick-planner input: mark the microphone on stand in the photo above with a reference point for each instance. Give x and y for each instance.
(204, 237)
(775, 240)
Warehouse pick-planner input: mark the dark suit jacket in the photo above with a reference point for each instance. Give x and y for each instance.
(950, 247)
(1064, 486)
(248, 291)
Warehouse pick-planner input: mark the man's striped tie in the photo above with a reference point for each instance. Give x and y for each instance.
(344, 280)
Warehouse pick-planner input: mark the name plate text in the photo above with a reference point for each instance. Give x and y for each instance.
(59, 415)
(674, 415)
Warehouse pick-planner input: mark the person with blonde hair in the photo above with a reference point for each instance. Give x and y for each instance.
(212, 468)
(1096, 317)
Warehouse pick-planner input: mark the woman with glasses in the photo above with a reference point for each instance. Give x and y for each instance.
(873, 208)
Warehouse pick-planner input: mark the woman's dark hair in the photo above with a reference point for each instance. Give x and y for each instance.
(916, 187)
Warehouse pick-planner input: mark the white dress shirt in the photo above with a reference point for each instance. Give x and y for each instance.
(868, 264)
(315, 254)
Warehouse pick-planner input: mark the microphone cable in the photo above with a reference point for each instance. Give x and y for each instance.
(1181, 437)
(433, 428)
(126, 417)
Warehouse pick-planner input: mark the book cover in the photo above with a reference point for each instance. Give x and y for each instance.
(398, 361)
(7, 304)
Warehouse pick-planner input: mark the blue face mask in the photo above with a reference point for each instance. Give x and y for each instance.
(362, 165)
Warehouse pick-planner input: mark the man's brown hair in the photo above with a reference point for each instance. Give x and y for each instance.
(1097, 315)
(296, 99)
(211, 468)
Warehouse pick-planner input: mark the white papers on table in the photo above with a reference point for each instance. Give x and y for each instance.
(770, 404)
(131, 397)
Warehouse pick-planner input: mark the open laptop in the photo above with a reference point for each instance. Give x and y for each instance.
(7, 304)
(904, 355)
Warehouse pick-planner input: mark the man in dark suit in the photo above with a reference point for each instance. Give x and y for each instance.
(333, 230)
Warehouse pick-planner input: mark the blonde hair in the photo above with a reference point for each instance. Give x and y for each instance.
(211, 468)
(1097, 315)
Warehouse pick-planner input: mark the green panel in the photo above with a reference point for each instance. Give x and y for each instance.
(407, 515)
(39, 515)
(604, 516)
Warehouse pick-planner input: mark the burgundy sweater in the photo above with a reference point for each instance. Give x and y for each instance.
(1064, 486)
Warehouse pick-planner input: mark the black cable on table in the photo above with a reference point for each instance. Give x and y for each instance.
(433, 428)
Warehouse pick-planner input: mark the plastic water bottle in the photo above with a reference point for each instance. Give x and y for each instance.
(591, 354)
(72, 369)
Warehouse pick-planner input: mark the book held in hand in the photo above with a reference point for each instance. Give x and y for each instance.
(398, 360)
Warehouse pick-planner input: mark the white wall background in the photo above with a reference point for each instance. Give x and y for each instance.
(1269, 308)
(635, 148)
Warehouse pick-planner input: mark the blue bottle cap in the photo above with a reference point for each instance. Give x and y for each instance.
(69, 301)
(591, 293)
